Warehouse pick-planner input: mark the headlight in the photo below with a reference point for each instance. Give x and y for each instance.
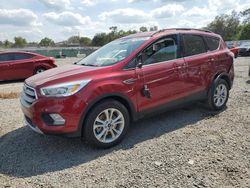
(65, 89)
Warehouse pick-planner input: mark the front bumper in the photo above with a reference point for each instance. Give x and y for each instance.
(28, 122)
(70, 108)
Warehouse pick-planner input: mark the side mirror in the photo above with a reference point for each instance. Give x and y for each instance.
(139, 65)
(140, 59)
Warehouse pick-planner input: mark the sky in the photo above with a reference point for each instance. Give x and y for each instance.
(60, 19)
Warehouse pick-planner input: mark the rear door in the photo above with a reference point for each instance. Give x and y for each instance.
(161, 78)
(198, 61)
(5, 69)
(23, 65)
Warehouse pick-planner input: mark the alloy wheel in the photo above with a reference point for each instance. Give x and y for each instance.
(220, 95)
(108, 125)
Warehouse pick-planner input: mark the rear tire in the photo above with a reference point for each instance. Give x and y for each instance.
(218, 95)
(106, 124)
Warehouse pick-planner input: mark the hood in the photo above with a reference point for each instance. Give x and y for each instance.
(63, 74)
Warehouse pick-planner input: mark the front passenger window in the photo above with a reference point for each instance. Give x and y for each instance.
(163, 50)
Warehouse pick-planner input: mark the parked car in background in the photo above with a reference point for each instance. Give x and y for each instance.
(21, 65)
(235, 50)
(244, 49)
(128, 79)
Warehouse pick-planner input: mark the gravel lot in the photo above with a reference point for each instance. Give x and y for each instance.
(189, 147)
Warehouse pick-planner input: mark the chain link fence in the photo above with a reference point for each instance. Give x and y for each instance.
(58, 52)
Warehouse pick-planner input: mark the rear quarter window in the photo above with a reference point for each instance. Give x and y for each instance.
(212, 43)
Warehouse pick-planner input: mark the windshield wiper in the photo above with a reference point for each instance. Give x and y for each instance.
(91, 65)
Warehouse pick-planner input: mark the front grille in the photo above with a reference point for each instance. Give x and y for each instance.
(28, 96)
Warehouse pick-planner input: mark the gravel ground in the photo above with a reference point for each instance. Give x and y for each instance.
(189, 147)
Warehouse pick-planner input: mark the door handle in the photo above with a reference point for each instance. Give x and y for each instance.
(179, 67)
(211, 59)
(130, 81)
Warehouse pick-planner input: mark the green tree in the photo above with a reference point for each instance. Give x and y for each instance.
(245, 32)
(85, 41)
(73, 40)
(46, 42)
(19, 42)
(143, 29)
(154, 28)
(100, 39)
(113, 29)
(225, 25)
(246, 15)
(7, 44)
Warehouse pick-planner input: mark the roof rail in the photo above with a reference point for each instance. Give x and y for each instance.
(188, 29)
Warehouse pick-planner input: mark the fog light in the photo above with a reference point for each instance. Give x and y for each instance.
(57, 119)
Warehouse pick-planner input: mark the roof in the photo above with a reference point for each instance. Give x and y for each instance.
(20, 52)
(171, 31)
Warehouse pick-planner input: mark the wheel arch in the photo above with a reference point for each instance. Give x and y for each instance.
(224, 76)
(114, 96)
(39, 67)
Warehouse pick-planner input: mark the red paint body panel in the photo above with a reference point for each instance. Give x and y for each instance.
(236, 51)
(20, 69)
(167, 81)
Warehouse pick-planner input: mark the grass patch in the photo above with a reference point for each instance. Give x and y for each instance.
(11, 95)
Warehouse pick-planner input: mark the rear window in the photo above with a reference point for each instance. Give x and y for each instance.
(212, 43)
(22, 56)
(193, 44)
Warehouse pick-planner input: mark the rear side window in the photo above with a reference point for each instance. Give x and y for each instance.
(212, 43)
(6, 57)
(22, 56)
(193, 44)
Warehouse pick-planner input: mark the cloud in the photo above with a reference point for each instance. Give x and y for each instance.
(197, 11)
(136, 1)
(223, 5)
(167, 10)
(176, 1)
(93, 2)
(18, 17)
(126, 16)
(57, 4)
(163, 1)
(89, 2)
(67, 18)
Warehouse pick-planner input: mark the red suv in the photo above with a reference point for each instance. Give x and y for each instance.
(100, 96)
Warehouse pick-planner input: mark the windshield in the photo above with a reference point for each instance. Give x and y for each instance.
(113, 52)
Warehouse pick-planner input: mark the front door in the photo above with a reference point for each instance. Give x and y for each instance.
(162, 76)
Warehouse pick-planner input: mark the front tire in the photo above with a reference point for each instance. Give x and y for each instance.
(218, 95)
(106, 124)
